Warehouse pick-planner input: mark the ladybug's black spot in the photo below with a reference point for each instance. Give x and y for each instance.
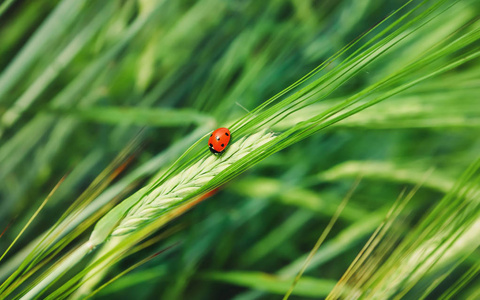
(223, 145)
(211, 146)
(211, 135)
(226, 133)
(218, 138)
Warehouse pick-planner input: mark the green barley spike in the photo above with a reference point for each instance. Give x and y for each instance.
(175, 189)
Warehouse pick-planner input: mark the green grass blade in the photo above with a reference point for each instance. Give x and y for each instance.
(307, 286)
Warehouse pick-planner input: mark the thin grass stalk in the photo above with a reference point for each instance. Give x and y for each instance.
(461, 222)
(422, 233)
(379, 234)
(461, 282)
(322, 238)
(57, 270)
(32, 218)
(464, 279)
(427, 252)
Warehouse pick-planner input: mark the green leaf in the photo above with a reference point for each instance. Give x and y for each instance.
(161, 117)
(307, 286)
(388, 171)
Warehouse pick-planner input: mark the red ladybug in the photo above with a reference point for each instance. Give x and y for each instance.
(219, 140)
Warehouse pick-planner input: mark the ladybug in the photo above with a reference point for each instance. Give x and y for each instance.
(219, 140)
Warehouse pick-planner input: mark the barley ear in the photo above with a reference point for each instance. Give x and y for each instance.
(176, 189)
(107, 223)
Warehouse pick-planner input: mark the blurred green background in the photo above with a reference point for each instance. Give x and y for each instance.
(79, 80)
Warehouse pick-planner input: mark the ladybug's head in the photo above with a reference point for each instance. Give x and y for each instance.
(210, 146)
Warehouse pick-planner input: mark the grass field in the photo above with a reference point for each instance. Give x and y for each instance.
(352, 171)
